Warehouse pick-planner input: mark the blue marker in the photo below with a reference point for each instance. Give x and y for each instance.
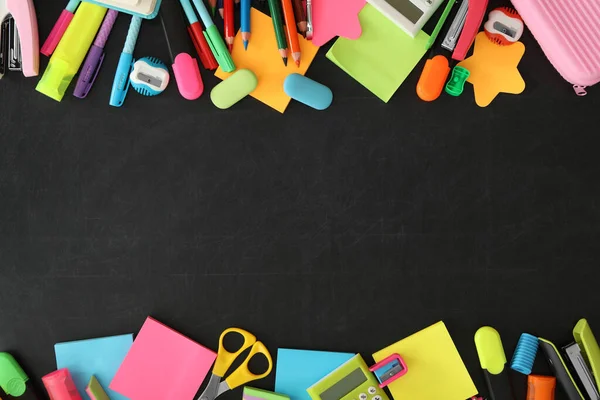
(121, 81)
(245, 22)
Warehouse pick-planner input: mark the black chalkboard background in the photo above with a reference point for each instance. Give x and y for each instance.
(341, 230)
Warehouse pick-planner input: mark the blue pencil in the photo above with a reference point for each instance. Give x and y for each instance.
(245, 22)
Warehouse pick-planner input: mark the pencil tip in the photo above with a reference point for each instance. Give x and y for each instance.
(284, 61)
(230, 46)
(298, 63)
(245, 45)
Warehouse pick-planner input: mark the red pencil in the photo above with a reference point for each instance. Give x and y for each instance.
(229, 23)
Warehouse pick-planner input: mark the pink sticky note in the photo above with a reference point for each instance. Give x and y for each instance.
(162, 364)
(333, 18)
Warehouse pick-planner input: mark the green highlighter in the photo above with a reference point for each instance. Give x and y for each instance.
(13, 380)
(95, 390)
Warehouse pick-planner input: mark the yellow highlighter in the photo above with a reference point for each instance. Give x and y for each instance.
(71, 50)
(493, 362)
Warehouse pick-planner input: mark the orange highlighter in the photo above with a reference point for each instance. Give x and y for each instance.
(540, 387)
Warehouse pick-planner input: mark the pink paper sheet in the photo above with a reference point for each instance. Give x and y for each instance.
(162, 364)
(333, 18)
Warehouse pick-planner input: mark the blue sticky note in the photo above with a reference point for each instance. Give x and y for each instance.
(297, 370)
(99, 357)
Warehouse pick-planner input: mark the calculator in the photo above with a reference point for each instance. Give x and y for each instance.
(350, 381)
(410, 15)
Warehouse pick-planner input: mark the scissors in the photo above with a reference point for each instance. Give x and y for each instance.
(242, 374)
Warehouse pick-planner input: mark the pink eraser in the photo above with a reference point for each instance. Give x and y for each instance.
(57, 33)
(187, 76)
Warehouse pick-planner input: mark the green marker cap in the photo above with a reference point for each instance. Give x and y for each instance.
(13, 379)
(218, 48)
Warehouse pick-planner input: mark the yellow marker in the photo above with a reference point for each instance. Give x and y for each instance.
(493, 362)
(71, 50)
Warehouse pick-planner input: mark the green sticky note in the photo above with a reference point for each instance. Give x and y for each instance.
(384, 55)
(251, 393)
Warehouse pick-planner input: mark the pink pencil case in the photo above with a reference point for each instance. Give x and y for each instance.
(568, 32)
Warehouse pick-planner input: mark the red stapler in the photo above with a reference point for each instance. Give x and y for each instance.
(475, 15)
(19, 42)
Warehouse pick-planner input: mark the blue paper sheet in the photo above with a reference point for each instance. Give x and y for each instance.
(297, 370)
(99, 357)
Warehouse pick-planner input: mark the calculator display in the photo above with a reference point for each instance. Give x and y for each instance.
(406, 8)
(345, 386)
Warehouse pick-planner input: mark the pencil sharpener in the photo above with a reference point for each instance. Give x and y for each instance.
(149, 76)
(504, 26)
(389, 369)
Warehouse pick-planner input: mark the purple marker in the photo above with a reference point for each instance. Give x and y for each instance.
(94, 59)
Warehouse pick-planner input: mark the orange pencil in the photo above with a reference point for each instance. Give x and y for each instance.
(291, 30)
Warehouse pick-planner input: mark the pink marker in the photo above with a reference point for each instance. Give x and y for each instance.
(59, 28)
(60, 386)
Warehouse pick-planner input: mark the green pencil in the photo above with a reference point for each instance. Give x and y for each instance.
(440, 24)
(275, 9)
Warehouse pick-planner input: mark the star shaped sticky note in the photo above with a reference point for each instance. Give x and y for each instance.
(333, 18)
(494, 70)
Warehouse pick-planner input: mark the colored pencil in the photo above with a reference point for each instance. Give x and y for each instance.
(245, 22)
(220, 7)
(291, 31)
(213, 6)
(278, 27)
(229, 24)
(300, 14)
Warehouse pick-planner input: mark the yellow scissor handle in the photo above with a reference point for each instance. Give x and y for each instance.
(226, 358)
(243, 374)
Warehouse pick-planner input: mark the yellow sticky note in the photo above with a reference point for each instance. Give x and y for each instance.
(493, 69)
(435, 369)
(382, 57)
(263, 58)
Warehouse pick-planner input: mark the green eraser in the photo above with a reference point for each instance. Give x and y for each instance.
(13, 380)
(233, 89)
(251, 393)
(95, 391)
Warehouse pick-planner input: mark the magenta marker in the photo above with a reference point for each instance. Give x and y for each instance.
(59, 28)
(95, 56)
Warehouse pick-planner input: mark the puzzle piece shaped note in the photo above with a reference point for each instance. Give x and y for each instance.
(333, 18)
(494, 69)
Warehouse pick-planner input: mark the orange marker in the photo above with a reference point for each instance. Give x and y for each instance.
(291, 30)
(432, 80)
(540, 387)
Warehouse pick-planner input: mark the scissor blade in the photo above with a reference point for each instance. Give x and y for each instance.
(223, 387)
(212, 389)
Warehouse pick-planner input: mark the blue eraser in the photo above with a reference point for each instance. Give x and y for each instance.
(307, 91)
